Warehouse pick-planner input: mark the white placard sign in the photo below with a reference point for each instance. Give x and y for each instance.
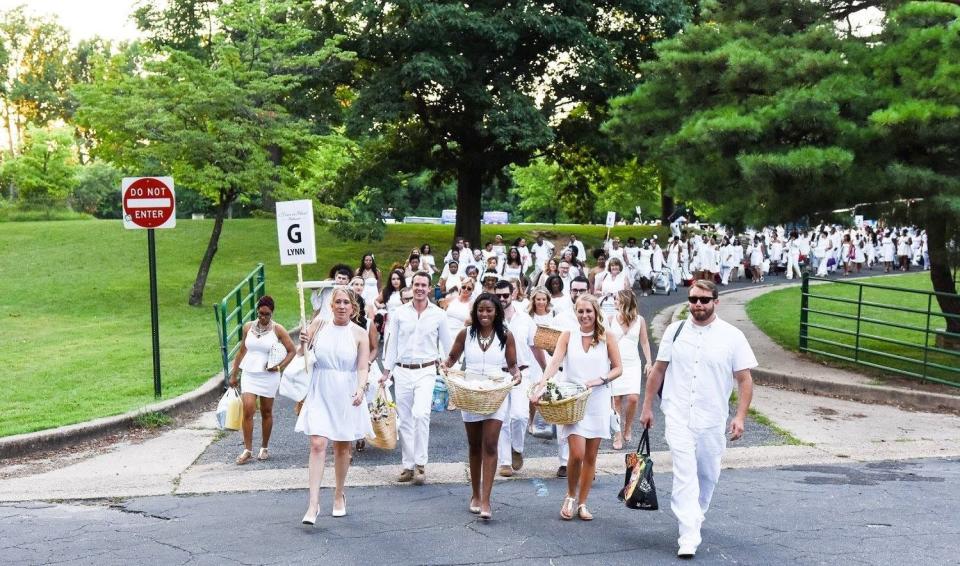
(858, 221)
(295, 232)
(611, 219)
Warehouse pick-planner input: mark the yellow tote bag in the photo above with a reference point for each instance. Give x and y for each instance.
(234, 411)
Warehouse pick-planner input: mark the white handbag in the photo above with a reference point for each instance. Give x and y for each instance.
(296, 378)
(277, 353)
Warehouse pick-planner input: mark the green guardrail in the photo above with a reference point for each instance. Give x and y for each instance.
(235, 309)
(896, 330)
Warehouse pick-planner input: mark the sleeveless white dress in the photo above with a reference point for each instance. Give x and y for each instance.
(457, 313)
(580, 367)
(631, 381)
(328, 410)
(489, 363)
(370, 291)
(254, 378)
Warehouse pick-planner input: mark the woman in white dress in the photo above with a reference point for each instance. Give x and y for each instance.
(631, 331)
(427, 262)
(673, 263)
(542, 312)
(512, 267)
(645, 269)
(458, 308)
(487, 347)
(887, 253)
(335, 408)
(358, 287)
(592, 359)
(549, 268)
(611, 283)
(258, 380)
(370, 274)
(756, 259)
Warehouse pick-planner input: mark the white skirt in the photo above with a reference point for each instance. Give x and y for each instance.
(328, 410)
(630, 381)
(260, 383)
(596, 419)
(498, 415)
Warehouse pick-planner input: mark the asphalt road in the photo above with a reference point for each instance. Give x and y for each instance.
(879, 513)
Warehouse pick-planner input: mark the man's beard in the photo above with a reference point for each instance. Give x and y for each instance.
(701, 315)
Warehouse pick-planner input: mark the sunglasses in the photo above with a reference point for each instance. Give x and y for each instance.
(701, 300)
(503, 295)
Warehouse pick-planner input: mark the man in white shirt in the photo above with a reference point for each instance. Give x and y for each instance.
(411, 358)
(542, 250)
(677, 225)
(320, 297)
(566, 319)
(698, 361)
(563, 270)
(581, 250)
(530, 363)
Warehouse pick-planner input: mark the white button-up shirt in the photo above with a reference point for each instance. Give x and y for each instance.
(523, 330)
(541, 253)
(699, 378)
(414, 336)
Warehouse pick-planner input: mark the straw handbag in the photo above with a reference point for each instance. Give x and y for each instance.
(383, 420)
(546, 337)
(476, 393)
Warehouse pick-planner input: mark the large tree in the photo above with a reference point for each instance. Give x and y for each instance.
(211, 112)
(771, 113)
(466, 89)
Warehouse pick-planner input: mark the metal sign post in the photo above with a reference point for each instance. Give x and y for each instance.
(150, 203)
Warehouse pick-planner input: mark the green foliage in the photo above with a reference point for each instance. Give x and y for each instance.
(98, 190)
(153, 420)
(467, 90)
(45, 174)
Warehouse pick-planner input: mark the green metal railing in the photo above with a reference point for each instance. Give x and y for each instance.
(237, 308)
(895, 332)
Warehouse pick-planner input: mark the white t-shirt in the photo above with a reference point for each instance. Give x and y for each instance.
(699, 377)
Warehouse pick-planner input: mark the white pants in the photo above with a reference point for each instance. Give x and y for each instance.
(822, 268)
(696, 468)
(514, 427)
(793, 266)
(725, 274)
(414, 392)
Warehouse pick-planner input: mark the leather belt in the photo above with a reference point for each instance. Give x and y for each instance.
(418, 366)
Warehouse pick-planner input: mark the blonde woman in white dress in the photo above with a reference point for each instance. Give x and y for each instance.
(259, 380)
(487, 347)
(592, 359)
(631, 330)
(335, 409)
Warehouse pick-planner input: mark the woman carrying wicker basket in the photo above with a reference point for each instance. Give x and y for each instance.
(487, 347)
(591, 360)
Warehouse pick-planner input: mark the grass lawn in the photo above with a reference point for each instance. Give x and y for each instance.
(778, 315)
(75, 296)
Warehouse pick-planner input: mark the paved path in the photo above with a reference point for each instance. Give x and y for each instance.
(877, 513)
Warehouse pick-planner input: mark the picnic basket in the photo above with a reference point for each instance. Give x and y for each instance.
(546, 337)
(466, 393)
(566, 411)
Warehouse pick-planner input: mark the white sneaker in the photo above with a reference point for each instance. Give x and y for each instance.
(687, 551)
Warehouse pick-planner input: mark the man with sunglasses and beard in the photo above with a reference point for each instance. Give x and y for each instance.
(698, 361)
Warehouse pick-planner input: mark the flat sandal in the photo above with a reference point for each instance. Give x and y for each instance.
(584, 513)
(566, 510)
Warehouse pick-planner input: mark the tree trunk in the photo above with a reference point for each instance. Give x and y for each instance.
(940, 274)
(666, 207)
(469, 213)
(196, 293)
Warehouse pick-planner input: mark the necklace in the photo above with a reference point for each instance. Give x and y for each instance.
(260, 331)
(484, 342)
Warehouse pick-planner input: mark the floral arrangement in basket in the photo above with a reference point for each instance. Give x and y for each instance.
(380, 408)
(560, 391)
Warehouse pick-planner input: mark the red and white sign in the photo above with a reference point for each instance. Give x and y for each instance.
(148, 202)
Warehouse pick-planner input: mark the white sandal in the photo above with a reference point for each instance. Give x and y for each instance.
(264, 454)
(244, 457)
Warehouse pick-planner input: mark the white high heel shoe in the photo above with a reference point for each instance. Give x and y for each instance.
(341, 512)
(311, 520)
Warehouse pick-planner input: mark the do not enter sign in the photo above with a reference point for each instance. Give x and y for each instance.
(148, 202)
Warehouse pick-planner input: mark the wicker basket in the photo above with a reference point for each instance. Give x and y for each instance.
(474, 400)
(566, 411)
(384, 431)
(546, 337)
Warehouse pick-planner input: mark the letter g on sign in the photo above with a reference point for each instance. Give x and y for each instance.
(293, 234)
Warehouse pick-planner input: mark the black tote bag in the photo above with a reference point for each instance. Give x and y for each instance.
(639, 491)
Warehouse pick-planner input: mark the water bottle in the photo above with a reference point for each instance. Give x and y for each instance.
(440, 396)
